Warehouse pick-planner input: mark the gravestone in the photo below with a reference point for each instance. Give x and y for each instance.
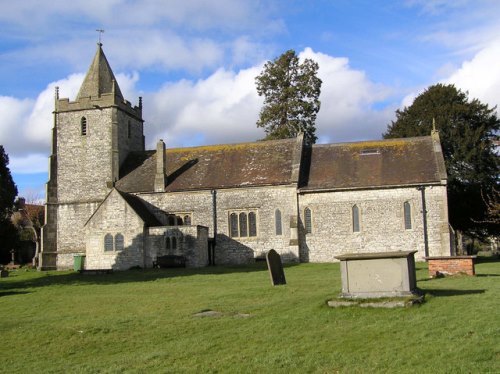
(378, 274)
(275, 268)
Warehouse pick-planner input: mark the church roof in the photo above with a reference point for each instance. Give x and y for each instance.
(212, 167)
(392, 162)
(100, 78)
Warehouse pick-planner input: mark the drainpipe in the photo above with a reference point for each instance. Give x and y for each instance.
(424, 220)
(214, 219)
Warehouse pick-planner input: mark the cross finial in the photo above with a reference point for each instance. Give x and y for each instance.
(100, 31)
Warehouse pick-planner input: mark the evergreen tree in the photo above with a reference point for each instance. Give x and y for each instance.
(8, 192)
(467, 129)
(291, 90)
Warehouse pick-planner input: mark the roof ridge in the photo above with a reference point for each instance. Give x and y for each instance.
(232, 145)
(360, 142)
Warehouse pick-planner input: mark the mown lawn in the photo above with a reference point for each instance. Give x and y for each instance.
(142, 322)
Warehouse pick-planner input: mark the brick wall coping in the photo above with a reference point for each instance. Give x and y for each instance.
(366, 256)
(450, 257)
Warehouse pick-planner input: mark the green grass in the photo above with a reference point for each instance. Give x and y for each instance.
(142, 321)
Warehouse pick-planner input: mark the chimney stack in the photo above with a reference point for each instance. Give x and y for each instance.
(161, 166)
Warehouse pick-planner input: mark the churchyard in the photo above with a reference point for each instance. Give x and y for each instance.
(143, 321)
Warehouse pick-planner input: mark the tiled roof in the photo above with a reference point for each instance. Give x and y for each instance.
(213, 167)
(375, 164)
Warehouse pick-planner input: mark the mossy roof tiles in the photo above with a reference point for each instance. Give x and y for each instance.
(380, 163)
(212, 167)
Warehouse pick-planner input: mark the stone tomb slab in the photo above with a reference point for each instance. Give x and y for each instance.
(381, 274)
(275, 267)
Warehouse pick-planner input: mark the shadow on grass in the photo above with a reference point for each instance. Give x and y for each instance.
(129, 276)
(10, 293)
(447, 292)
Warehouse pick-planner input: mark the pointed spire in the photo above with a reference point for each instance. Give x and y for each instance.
(99, 79)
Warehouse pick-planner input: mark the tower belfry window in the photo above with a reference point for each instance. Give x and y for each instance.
(83, 123)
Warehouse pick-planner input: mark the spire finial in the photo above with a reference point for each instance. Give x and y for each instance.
(100, 31)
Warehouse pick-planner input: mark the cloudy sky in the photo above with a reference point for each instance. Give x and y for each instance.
(194, 62)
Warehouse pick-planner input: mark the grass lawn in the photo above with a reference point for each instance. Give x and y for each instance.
(142, 321)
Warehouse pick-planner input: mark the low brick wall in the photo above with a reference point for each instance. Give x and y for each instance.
(450, 265)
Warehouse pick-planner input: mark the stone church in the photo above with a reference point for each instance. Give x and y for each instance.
(123, 206)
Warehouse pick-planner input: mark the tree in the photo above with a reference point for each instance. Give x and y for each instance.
(467, 129)
(8, 192)
(291, 90)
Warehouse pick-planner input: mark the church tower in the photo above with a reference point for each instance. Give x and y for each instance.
(91, 138)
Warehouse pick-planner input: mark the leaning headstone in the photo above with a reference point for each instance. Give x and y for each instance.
(275, 268)
(4, 273)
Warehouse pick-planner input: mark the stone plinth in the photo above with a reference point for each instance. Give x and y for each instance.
(450, 265)
(384, 274)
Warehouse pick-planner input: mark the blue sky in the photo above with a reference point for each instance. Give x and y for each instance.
(194, 62)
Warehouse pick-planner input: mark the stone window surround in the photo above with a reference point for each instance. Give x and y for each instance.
(309, 218)
(181, 215)
(83, 126)
(410, 215)
(278, 226)
(113, 242)
(247, 212)
(359, 214)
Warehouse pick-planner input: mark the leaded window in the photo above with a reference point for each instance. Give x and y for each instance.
(308, 220)
(242, 224)
(252, 224)
(119, 242)
(233, 225)
(407, 215)
(277, 222)
(108, 242)
(355, 218)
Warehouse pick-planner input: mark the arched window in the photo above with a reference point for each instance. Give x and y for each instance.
(178, 221)
(108, 242)
(171, 220)
(187, 220)
(174, 242)
(277, 222)
(243, 224)
(119, 242)
(233, 225)
(167, 243)
(355, 218)
(407, 214)
(308, 220)
(252, 224)
(83, 123)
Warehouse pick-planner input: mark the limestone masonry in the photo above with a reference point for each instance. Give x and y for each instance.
(123, 206)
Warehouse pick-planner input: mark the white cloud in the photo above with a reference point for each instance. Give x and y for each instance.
(222, 108)
(481, 75)
(347, 99)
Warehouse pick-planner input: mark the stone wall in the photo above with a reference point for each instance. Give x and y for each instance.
(114, 217)
(263, 200)
(381, 219)
(191, 243)
(84, 162)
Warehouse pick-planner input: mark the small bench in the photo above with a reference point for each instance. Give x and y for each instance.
(95, 271)
(170, 261)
